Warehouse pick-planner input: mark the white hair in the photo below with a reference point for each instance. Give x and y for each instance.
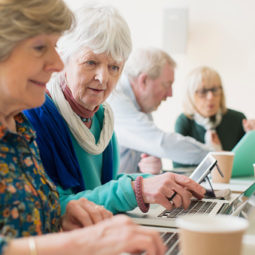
(147, 60)
(101, 28)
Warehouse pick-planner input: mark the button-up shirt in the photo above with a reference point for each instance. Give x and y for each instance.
(137, 133)
(29, 200)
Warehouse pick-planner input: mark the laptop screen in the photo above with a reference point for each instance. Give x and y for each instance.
(241, 203)
(244, 155)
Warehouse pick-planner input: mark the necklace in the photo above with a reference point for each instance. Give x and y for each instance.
(86, 119)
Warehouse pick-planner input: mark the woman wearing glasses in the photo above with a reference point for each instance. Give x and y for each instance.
(206, 117)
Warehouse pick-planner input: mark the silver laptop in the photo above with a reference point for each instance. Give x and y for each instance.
(159, 216)
(241, 206)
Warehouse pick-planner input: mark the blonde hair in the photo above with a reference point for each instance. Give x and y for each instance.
(147, 60)
(201, 76)
(22, 19)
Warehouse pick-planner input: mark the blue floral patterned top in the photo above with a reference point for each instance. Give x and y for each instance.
(29, 202)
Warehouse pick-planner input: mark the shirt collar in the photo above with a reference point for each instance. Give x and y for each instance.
(127, 89)
(23, 128)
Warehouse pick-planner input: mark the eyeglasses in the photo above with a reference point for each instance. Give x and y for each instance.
(216, 91)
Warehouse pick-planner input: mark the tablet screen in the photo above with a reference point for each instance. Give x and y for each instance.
(203, 169)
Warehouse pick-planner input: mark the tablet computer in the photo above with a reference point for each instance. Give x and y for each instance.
(201, 172)
(204, 168)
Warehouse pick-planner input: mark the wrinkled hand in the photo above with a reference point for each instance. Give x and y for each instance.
(158, 189)
(82, 213)
(150, 164)
(117, 235)
(248, 125)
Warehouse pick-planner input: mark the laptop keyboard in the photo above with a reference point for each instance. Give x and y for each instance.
(203, 207)
(171, 241)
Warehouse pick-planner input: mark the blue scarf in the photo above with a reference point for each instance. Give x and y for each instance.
(56, 148)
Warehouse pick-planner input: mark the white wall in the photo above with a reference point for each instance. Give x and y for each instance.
(221, 34)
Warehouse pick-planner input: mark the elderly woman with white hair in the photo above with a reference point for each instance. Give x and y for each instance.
(206, 117)
(30, 214)
(75, 125)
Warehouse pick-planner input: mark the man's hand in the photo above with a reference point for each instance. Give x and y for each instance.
(150, 164)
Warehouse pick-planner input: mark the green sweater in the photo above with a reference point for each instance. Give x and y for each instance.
(230, 130)
(116, 195)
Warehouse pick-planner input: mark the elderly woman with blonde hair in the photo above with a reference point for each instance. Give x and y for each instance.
(75, 126)
(30, 211)
(205, 116)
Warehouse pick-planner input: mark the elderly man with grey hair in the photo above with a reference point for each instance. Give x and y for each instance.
(147, 81)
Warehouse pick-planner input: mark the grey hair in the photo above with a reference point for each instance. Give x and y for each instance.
(147, 60)
(201, 76)
(23, 19)
(101, 28)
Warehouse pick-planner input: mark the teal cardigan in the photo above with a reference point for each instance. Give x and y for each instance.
(230, 130)
(116, 195)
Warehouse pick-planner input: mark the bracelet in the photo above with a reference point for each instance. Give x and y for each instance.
(144, 207)
(32, 246)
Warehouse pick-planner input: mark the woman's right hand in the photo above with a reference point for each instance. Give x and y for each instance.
(158, 189)
(115, 236)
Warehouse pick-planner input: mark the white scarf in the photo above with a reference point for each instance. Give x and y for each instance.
(210, 127)
(82, 133)
(207, 123)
